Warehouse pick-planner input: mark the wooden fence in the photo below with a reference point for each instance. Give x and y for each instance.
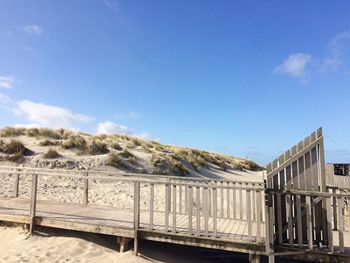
(200, 203)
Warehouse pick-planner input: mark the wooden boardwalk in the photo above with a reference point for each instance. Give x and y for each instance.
(294, 212)
(105, 220)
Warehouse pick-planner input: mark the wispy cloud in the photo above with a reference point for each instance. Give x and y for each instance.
(337, 48)
(112, 5)
(131, 115)
(7, 82)
(33, 29)
(295, 65)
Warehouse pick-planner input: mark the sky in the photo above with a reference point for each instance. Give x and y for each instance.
(245, 78)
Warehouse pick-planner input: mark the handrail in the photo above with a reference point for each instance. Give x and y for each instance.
(124, 174)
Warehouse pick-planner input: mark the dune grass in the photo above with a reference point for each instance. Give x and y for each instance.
(49, 143)
(12, 132)
(51, 154)
(96, 147)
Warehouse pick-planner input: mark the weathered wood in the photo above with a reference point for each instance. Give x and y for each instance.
(136, 216)
(198, 214)
(240, 202)
(151, 206)
(248, 210)
(279, 219)
(180, 199)
(299, 226)
(214, 213)
(234, 202)
(222, 207)
(174, 208)
(335, 214)
(190, 209)
(309, 222)
(329, 225)
(167, 207)
(33, 197)
(16, 184)
(228, 214)
(86, 189)
(206, 210)
(258, 219)
(290, 220)
(341, 223)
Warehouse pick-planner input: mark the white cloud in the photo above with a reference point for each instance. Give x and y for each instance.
(33, 29)
(49, 116)
(131, 115)
(295, 65)
(7, 82)
(109, 127)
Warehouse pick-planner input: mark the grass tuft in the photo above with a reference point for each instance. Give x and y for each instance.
(97, 147)
(12, 132)
(49, 143)
(75, 142)
(51, 154)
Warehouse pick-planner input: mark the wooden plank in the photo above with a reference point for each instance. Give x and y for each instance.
(186, 199)
(234, 202)
(329, 224)
(206, 210)
(33, 197)
(248, 208)
(198, 222)
(190, 207)
(174, 208)
(308, 175)
(295, 175)
(17, 177)
(290, 220)
(341, 223)
(240, 202)
(214, 213)
(167, 207)
(180, 199)
(335, 214)
(314, 170)
(254, 202)
(258, 219)
(299, 227)
(151, 208)
(86, 190)
(136, 215)
(309, 222)
(228, 213)
(222, 200)
(279, 219)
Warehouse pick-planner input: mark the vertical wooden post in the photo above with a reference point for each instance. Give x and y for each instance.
(329, 224)
(33, 202)
(240, 202)
(167, 206)
(228, 200)
(214, 212)
(151, 206)
(335, 214)
(86, 189)
(190, 210)
(198, 202)
(341, 223)
(16, 184)
(248, 211)
(234, 208)
(222, 200)
(206, 210)
(258, 219)
(174, 208)
(180, 199)
(269, 224)
(309, 222)
(136, 216)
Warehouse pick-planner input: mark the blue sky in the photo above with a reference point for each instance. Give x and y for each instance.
(247, 78)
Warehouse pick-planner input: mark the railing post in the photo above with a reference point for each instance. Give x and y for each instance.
(269, 224)
(16, 184)
(136, 216)
(33, 202)
(86, 189)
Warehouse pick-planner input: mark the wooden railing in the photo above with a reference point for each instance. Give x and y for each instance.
(202, 203)
(300, 226)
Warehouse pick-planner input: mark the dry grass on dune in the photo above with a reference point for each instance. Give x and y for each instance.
(51, 154)
(124, 151)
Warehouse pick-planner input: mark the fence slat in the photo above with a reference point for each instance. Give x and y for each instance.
(258, 219)
(214, 212)
(234, 203)
(329, 224)
(151, 206)
(249, 216)
(222, 200)
(228, 214)
(198, 202)
(341, 223)
(33, 201)
(167, 207)
(206, 210)
(174, 208)
(190, 206)
(309, 222)
(299, 227)
(279, 219)
(240, 202)
(16, 184)
(290, 220)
